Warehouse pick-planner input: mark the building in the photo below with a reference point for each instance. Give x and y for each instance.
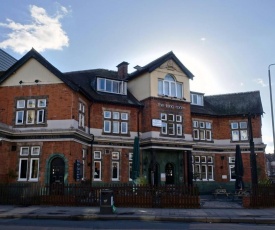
(80, 126)
(6, 60)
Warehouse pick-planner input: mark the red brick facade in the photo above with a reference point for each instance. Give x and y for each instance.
(61, 137)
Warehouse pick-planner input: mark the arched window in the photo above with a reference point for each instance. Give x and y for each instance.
(170, 87)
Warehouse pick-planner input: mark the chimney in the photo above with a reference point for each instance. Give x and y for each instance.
(122, 70)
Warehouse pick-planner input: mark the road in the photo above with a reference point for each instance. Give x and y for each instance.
(34, 224)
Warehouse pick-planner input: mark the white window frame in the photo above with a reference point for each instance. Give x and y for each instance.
(41, 103)
(163, 116)
(118, 169)
(195, 124)
(20, 165)
(171, 126)
(30, 112)
(124, 127)
(178, 118)
(115, 126)
(164, 128)
(31, 103)
(124, 116)
(234, 125)
(170, 87)
(38, 121)
(131, 156)
(35, 150)
(105, 126)
(235, 135)
(196, 134)
(22, 151)
(111, 86)
(197, 159)
(30, 174)
(17, 116)
(100, 169)
(171, 117)
(97, 155)
(115, 155)
(196, 99)
(106, 114)
(242, 131)
(231, 160)
(130, 169)
(179, 129)
(116, 116)
(210, 135)
(210, 173)
(202, 134)
(20, 104)
(230, 172)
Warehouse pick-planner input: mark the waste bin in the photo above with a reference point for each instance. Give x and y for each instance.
(106, 201)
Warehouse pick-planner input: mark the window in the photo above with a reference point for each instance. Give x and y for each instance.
(115, 122)
(115, 171)
(29, 163)
(30, 111)
(171, 124)
(197, 99)
(130, 166)
(81, 115)
(111, 86)
(239, 131)
(97, 155)
(115, 155)
(203, 168)
(202, 130)
(97, 166)
(169, 87)
(97, 170)
(84, 158)
(231, 162)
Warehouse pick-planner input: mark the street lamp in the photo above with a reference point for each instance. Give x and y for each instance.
(271, 105)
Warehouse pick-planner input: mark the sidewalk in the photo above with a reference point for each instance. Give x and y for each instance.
(214, 211)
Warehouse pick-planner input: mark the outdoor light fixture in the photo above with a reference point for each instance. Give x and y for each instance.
(271, 105)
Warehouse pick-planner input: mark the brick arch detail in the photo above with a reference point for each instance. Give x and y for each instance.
(48, 167)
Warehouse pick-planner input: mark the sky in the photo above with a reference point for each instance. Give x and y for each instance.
(227, 45)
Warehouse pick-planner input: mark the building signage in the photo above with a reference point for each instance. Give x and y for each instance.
(156, 123)
(170, 106)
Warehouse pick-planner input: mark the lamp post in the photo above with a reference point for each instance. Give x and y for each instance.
(271, 105)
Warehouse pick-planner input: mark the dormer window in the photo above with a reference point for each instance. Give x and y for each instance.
(169, 87)
(196, 99)
(111, 86)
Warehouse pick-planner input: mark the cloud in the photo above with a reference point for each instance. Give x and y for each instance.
(260, 82)
(44, 32)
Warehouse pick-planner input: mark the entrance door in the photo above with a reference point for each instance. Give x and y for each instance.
(169, 173)
(57, 176)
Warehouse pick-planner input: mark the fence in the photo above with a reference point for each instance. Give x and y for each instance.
(262, 196)
(124, 195)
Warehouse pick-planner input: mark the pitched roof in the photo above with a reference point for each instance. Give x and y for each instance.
(156, 63)
(6, 60)
(230, 104)
(86, 80)
(38, 57)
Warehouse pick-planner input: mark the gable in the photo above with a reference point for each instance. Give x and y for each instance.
(28, 73)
